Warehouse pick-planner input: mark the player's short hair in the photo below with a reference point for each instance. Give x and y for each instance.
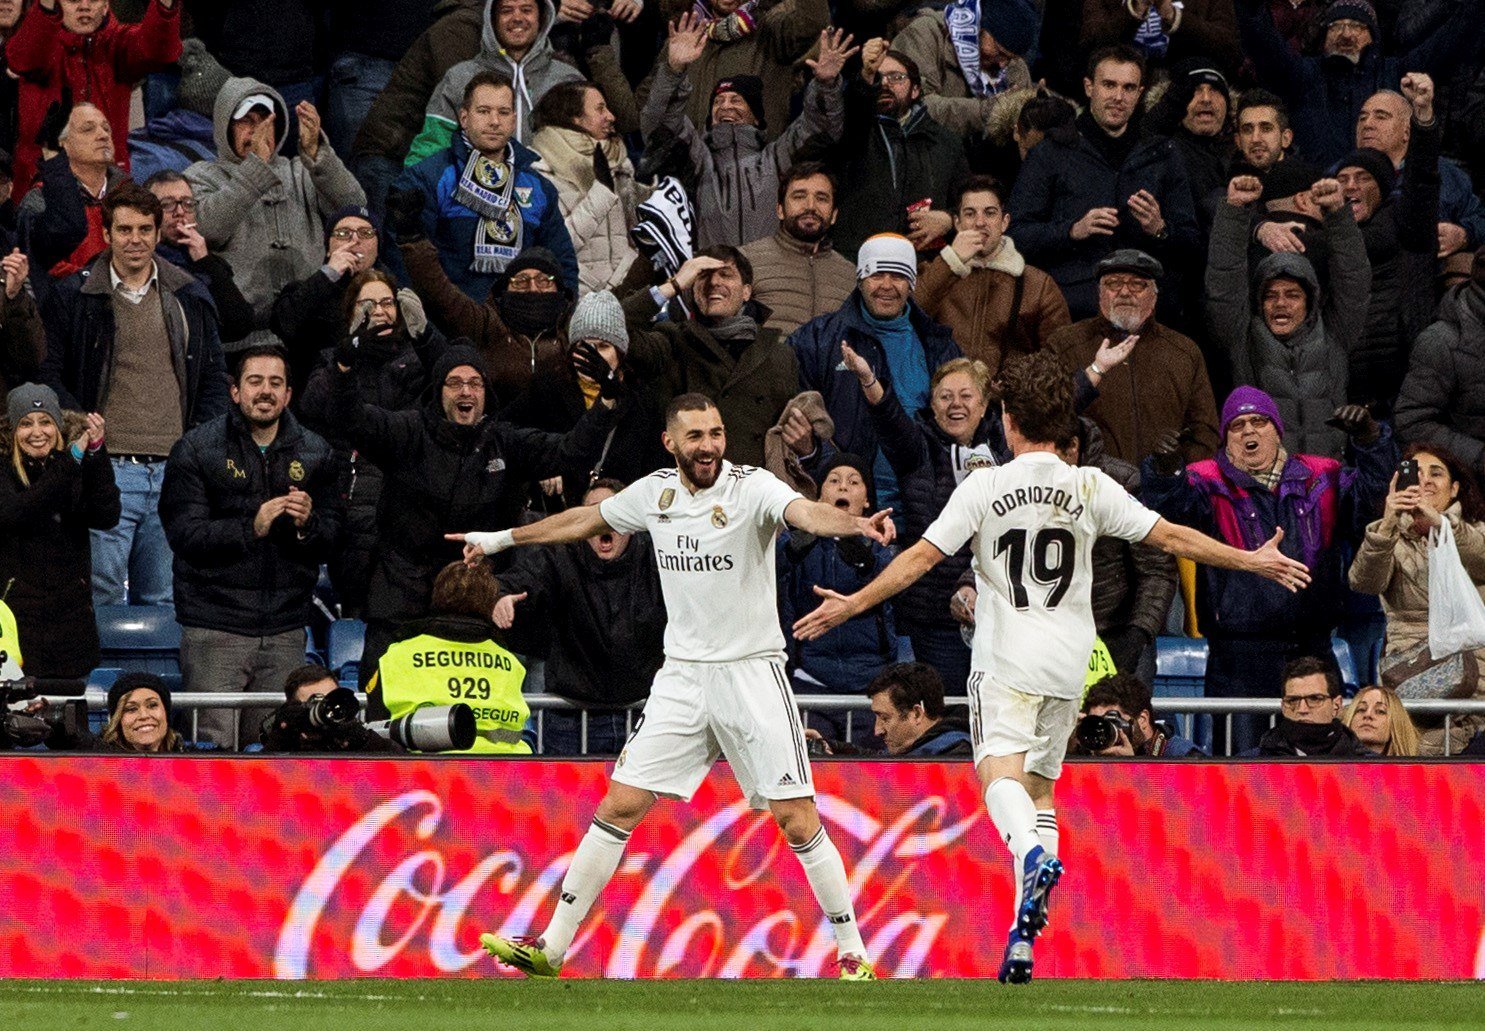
(1036, 390)
(462, 590)
(686, 403)
(479, 79)
(908, 684)
(309, 673)
(1125, 691)
(1309, 666)
(808, 170)
(977, 370)
(979, 184)
(1252, 98)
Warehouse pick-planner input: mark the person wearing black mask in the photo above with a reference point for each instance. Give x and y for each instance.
(450, 465)
(391, 373)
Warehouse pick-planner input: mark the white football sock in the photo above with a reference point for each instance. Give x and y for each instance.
(827, 876)
(594, 862)
(1046, 829)
(1014, 816)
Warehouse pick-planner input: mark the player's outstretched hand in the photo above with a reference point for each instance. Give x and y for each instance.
(478, 544)
(834, 611)
(1270, 562)
(879, 527)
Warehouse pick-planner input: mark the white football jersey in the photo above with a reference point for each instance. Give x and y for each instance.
(1034, 521)
(715, 551)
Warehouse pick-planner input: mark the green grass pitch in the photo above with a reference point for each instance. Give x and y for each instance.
(941, 1005)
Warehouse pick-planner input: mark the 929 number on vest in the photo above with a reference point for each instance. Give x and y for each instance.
(469, 687)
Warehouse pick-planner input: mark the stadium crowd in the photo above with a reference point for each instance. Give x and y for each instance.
(294, 288)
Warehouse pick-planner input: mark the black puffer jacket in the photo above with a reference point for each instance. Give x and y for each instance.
(445, 478)
(226, 578)
(390, 376)
(922, 455)
(46, 566)
(606, 619)
(1443, 395)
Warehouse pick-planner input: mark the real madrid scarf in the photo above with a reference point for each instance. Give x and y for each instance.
(962, 20)
(488, 188)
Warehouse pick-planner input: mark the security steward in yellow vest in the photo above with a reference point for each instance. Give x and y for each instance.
(451, 656)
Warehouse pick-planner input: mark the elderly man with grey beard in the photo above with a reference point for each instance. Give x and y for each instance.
(1161, 387)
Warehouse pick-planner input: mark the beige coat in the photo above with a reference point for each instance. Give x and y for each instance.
(945, 93)
(1394, 565)
(598, 218)
(797, 281)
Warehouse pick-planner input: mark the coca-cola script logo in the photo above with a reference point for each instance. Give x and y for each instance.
(511, 892)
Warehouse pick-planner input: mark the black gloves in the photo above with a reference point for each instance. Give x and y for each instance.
(405, 215)
(345, 352)
(1167, 454)
(587, 360)
(1356, 422)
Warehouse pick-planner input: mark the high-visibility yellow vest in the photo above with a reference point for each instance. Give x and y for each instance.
(1100, 665)
(430, 670)
(10, 644)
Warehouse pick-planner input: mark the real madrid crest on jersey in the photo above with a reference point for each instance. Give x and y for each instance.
(296, 470)
(719, 518)
(667, 498)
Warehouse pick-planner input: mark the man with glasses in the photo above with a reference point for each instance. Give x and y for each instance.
(1309, 723)
(182, 246)
(1161, 387)
(450, 465)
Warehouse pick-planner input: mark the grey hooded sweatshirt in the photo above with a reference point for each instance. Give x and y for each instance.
(532, 76)
(1306, 372)
(267, 220)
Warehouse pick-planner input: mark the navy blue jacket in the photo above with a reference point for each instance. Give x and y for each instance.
(817, 345)
(847, 658)
(451, 226)
(226, 578)
(80, 341)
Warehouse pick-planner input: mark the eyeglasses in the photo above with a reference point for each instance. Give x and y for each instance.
(384, 303)
(185, 204)
(528, 281)
(892, 78)
(455, 383)
(364, 232)
(1304, 701)
(1116, 285)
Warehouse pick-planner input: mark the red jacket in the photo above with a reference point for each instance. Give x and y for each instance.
(101, 68)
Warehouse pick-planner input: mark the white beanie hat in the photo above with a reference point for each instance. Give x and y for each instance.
(887, 252)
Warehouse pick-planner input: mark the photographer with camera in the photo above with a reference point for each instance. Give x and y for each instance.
(318, 715)
(1118, 720)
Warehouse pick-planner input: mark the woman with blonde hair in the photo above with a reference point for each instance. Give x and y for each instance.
(56, 485)
(138, 721)
(1380, 722)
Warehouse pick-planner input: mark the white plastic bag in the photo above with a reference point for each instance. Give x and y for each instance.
(1456, 615)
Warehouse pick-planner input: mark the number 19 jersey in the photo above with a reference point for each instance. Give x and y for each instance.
(1034, 521)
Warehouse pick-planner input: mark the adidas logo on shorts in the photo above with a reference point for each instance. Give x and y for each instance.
(787, 780)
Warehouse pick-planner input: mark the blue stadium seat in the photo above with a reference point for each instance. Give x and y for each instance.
(1342, 650)
(346, 638)
(1180, 672)
(139, 637)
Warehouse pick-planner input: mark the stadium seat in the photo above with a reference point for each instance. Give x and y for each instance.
(1342, 650)
(346, 638)
(139, 637)
(1180, 672)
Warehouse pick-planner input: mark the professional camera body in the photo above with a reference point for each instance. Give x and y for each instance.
(332, 723)
(27, 730)
(1095, 733)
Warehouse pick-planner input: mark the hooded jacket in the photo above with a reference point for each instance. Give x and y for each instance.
(598, 216)
(226, 577)
(452, 227)
(995, 308)
(531, 76)
(1305, 373)
(445, 478)
(101, 68)
(1443, 395)
(46, 567)
(739, 169)
(267, 220)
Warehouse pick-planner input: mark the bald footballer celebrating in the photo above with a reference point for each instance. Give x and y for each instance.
(722, 689)
(1033, 522)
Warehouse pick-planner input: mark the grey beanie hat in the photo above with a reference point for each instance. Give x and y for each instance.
(201, 78)
(32, 397)
(598, 316)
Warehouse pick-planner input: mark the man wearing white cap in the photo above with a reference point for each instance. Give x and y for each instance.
(883, 324)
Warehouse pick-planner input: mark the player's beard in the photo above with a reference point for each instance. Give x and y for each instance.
(701, 478)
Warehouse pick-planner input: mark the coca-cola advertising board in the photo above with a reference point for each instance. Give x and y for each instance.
(302, 868)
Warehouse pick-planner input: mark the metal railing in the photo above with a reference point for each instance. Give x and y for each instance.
(848, 704)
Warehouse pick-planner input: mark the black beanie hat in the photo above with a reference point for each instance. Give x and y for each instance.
(749, 87)
(133, 682)
(1376, 164)
(862, 466)
(1288, 177)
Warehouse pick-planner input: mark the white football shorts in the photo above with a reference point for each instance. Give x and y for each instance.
(1004, 721)
(698, 711)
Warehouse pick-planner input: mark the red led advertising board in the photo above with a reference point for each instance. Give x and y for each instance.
(305, 868)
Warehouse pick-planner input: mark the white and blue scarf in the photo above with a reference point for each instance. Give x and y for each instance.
(962, 20)
(488, 189)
